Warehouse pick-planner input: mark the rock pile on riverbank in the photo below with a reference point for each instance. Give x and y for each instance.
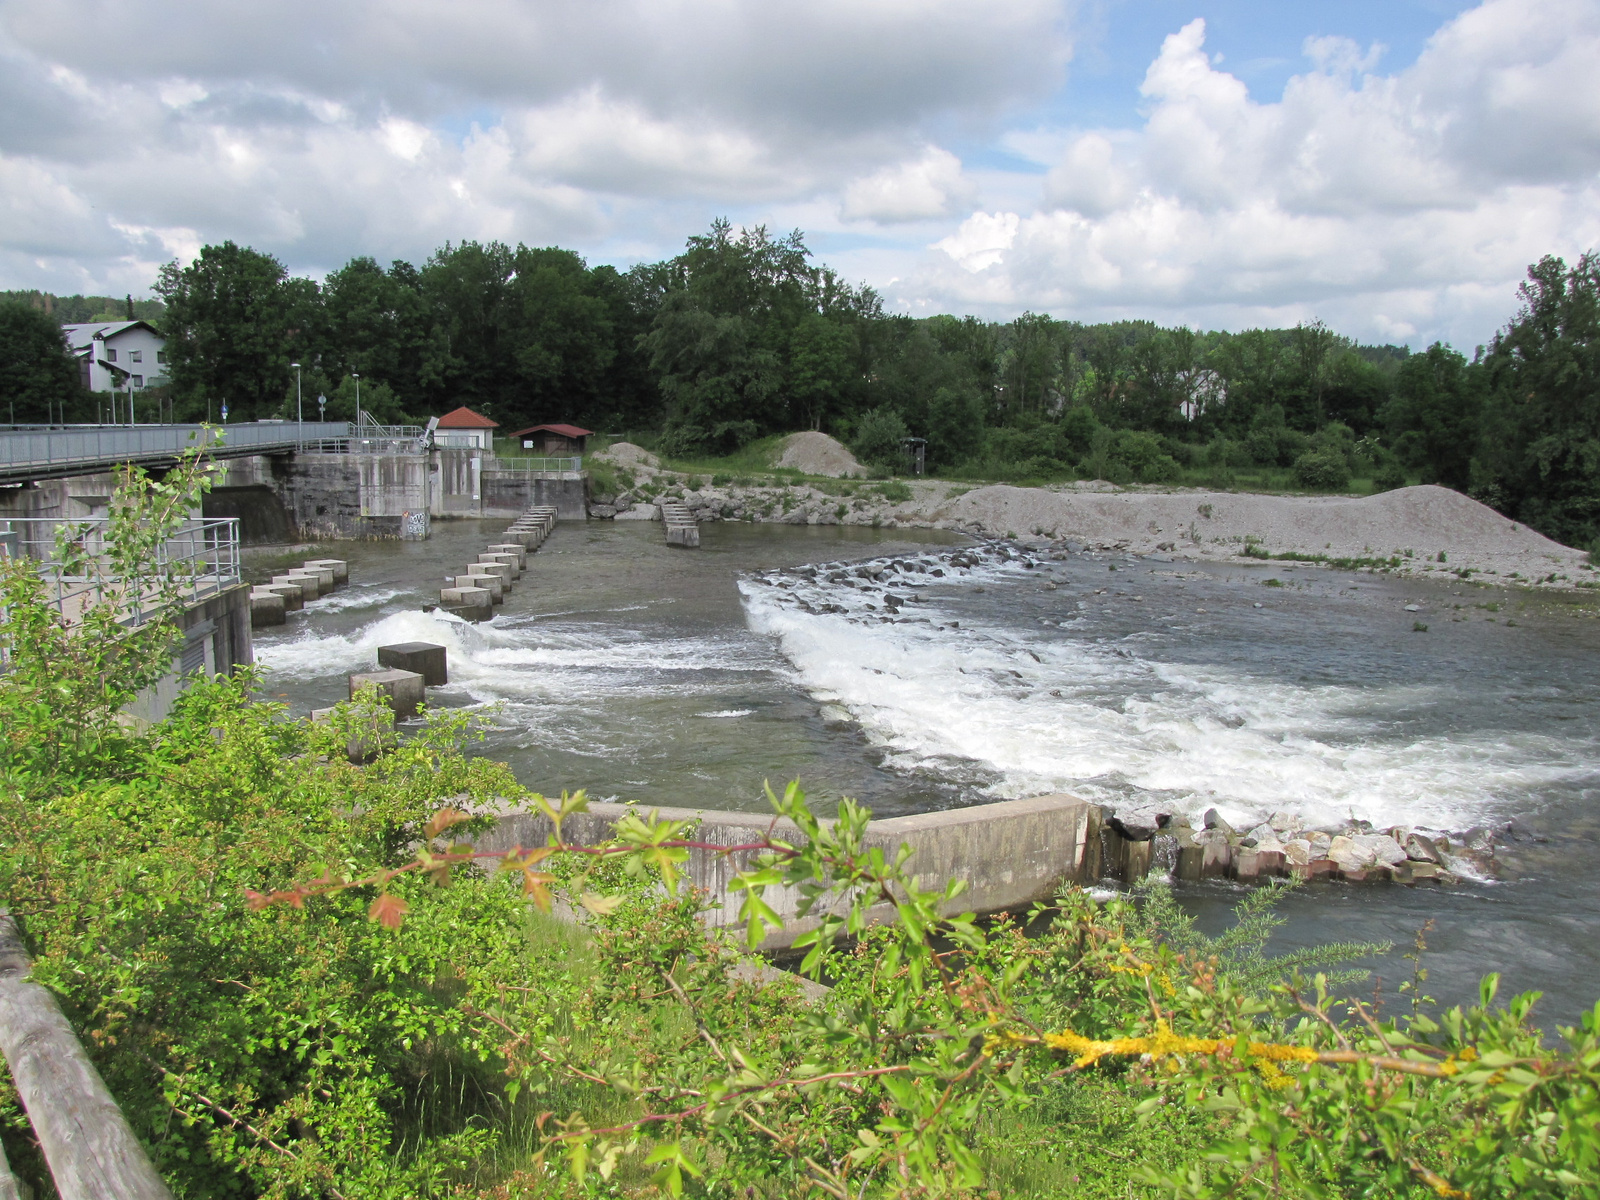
(1284, 847)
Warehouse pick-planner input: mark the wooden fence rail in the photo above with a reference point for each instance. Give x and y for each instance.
(91, 1151)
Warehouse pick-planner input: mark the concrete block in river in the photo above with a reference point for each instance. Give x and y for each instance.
(504, 570)
(291, 593)
(493, 584)
(502, 558)
(340, 569)
(403, 689)
(325, 576)
(468, 603)
(309, 583)
(1216, 856)
(266, 608)
(516, 548)
(425, 658)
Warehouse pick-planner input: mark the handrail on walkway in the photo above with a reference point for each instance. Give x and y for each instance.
(87, 1143)
(33, 454)
(201, 558)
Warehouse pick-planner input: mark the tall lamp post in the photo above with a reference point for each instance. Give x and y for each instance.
(299, 408)
(357, 378)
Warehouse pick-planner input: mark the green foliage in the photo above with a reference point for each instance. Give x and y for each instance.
(878, 437)
(1322, 470)
(40, 380)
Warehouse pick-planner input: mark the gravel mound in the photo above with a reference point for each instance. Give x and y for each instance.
(819, 454)
(626, 454)
(1416, 522)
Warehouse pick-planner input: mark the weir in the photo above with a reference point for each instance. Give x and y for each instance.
(1011, 853)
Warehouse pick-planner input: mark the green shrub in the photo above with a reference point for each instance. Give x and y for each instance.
(878, 439)
(1389, 475)
(1324, 470)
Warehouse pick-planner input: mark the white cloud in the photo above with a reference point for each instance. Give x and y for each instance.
(931, 185)
(1400, 205)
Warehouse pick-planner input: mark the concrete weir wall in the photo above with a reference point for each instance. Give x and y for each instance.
(1011, 853)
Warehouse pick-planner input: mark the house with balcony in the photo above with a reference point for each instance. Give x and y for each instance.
(114, 356)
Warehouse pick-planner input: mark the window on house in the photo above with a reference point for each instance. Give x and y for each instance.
(111, 354)
(138, 381)
(136, 355)
(161, 356)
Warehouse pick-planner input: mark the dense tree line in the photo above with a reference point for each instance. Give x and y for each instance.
(743, 335)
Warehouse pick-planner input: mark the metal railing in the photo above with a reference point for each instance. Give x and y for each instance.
(534, 466)
(33, 453)
(200, 560)
(365, 445)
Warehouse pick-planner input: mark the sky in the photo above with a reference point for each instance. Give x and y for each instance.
(1390, 168)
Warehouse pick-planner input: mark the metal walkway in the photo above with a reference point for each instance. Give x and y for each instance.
(49, 453)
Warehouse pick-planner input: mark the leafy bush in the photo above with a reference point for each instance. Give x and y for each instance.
(1144, 456)
(1325, 470)
(878, 439)
(1389, 475)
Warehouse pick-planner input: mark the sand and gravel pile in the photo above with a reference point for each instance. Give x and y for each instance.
(819, 454)
(1416, 523)
(626, 454)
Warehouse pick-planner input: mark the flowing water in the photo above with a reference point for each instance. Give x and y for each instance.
(964, 675)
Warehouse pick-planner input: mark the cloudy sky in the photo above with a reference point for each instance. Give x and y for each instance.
(1389, 166)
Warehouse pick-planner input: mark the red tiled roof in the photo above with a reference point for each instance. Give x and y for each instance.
(465, 418)
(571, 431)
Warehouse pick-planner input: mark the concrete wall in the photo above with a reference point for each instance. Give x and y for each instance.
(72, 498)
(1010, 853)
(512, 493)
(331, 496)
(216, 640)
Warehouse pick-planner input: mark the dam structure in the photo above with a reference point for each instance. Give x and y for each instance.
(288, 480)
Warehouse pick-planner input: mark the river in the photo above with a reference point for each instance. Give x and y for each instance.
(691, 677)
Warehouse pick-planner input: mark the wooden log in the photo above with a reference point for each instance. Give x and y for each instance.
(92, 1152)
(10, 1189)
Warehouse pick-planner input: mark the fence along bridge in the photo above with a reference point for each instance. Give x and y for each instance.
(28, 454)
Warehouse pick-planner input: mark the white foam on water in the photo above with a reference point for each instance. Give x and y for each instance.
(359, 597)
(727, 714)
(1045, 712)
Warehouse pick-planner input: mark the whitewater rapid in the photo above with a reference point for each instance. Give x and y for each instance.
(1019, 705)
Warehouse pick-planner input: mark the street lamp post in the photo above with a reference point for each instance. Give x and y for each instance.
(357, 378)
(299, 408)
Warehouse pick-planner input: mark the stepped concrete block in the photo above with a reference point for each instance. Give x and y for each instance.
(340, 569)
(511, 548)
(425, 658)
(505, 570)
(324, 575)
(291, 593)
(403, 689)
(266, 608)
(309, 583)
(493, 584)
(489, 557)
(468, 603)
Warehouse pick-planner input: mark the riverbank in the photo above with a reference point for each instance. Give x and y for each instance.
(1420, 531)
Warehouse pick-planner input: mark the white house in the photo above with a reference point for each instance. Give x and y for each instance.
(114, 354)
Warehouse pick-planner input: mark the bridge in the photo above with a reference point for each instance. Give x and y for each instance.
(30, 453)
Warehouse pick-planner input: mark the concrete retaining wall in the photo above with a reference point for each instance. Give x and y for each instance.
(1010, 853)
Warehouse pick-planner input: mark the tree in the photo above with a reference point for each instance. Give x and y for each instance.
(1543, 443)
(559, 326)
(41, 381)
(229, 330)
(1437, 398)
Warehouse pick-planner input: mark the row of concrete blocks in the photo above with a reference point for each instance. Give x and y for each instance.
(682, 529)
(473, 594)
(271, 603)
(405, 671)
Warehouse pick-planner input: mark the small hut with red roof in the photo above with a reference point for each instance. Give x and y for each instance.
(554, 440)
(464, 428)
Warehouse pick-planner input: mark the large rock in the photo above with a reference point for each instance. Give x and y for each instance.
(626, 454)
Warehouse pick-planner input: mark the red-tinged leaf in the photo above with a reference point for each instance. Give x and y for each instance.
(600, 906)
(256, 901)
(442, 820)
(389, 910)
(538, 893)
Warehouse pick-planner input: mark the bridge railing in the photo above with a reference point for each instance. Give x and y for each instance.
(200, 560)
(51, 450)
